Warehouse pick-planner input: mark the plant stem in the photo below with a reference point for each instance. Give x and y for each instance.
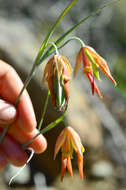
(31, 74)
(53, 124)
(44, 111)
(46, 129)
(54, 46)
(3, 133)
(73, 38)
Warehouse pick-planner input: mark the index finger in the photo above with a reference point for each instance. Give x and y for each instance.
(10, 87)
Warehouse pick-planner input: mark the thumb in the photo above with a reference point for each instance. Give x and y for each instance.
(7, 113)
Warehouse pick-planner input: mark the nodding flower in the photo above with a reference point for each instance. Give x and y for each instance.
(58, 73)
(92, 61)
(68, 141)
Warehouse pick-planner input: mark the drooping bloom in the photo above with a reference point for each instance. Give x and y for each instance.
(58, 73)
(68, 141)
(92, 61)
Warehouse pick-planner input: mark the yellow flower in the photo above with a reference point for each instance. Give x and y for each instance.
(91, 62)
(68, 141)
(58, 73)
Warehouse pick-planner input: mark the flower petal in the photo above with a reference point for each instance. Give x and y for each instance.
(60, 140)
(80, 166)
(59, 65)
(69, 68)
(101, 63)
(69, 166)
(63, 168)
(78, 63)
(93, 85)
(75, 140)
(46, 71)
(92, 64)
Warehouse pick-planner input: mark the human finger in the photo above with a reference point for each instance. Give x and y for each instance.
(3, 161)
(39, 144)
(12, 151)
(10, 87)
(7, 113)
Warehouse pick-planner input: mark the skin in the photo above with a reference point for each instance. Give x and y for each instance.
(21, 120)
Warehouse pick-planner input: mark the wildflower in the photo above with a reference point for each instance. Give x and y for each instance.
(58, 73)
(91, 62)
(68, 141)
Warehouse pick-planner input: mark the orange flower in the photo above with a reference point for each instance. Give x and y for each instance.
(91, 62)
(58, 73)
(68, 141)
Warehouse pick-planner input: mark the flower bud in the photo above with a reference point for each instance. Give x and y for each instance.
(58, 73)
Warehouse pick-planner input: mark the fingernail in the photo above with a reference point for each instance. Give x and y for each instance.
(7, 112)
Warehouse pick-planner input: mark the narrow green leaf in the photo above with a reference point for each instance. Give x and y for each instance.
(59, 91)
(43, 46)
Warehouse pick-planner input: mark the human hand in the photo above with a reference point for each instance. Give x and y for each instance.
(22, 120)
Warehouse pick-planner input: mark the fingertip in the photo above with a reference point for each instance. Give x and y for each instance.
(13, 151)
(7, 113)
(10, 87)
(26, 117)
(39, 144)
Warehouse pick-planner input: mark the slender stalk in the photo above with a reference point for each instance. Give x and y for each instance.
(31, 74)
(70, 39)
(46, 129)
(54, 46)
(53, 124)
(65, 122)
(44, 111)
(3, 133)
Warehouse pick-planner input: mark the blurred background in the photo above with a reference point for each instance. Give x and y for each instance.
(100, 123)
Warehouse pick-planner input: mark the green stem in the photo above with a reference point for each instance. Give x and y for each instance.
(65, 122)
(3, 133)
(54, 46)
(46, 129)
(44, 111)
(31, 74)
(53, 124)
(73, 38)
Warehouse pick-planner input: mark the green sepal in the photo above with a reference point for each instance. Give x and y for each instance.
(59, 91)
(94, 65)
